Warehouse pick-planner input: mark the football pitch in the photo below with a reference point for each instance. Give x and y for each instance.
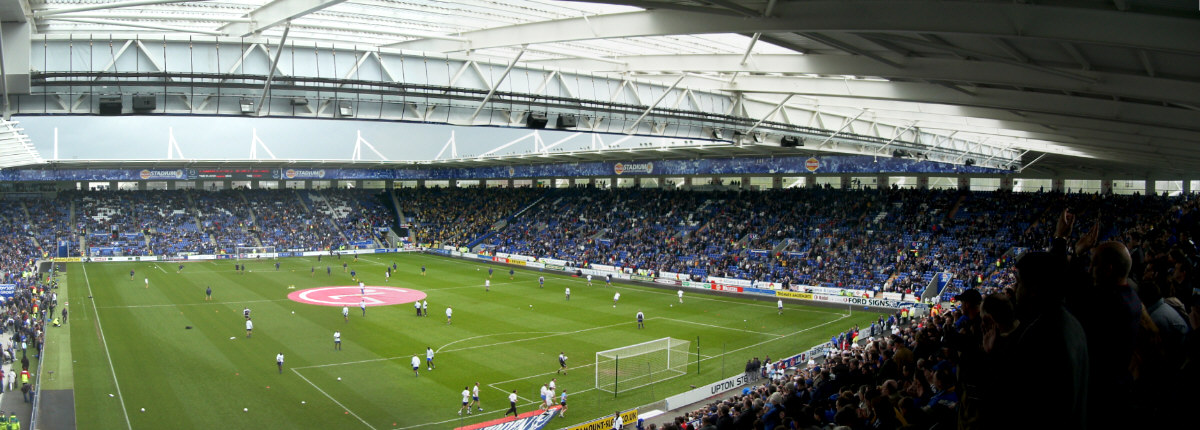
(189, 363)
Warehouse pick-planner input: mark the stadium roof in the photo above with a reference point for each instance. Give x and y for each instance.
(1096, 85)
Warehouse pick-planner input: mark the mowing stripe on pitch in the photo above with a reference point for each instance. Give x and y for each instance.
(104, 341)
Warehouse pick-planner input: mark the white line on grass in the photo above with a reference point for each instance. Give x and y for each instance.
(333, 399)
(490, 335)
(467, 348)
(567, 278)
(720, 327)
(104, 342)
(193, 304)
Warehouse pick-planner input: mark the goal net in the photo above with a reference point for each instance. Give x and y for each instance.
(255, 252)
(634, 366)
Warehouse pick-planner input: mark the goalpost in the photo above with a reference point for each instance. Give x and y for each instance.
(253, 252)
(639, 365)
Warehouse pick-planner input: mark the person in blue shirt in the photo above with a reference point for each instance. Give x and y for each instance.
(208, 294)
(641, 319)
(510, 274)
(276, 266)
(422, 270)
(131, 275)
(328, 271)
(489, 273)
(608, 280)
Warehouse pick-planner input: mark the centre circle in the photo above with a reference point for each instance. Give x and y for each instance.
(353, 296)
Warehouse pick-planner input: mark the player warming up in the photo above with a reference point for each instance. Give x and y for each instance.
(616, 297)
(429, 358)
(680, 294)
(416, 362)
(487, 285)
(466, 404)
(279, 362)
(641, 320)
(779, 304)
(541, 282)
(562, 363)
(475, 399)
(449, 313)
(337, 340)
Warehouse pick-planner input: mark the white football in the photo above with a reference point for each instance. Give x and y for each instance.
(143, 409)
(245, 409)
(339, 378)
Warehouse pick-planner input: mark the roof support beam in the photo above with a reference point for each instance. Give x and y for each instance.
(274, 13)
(770, 114)
(1142, 55)
(1016, 21)
(271, 74)
(639, 119)
(1077, 55)
(846, 47)
(101, 6)
(495, 85)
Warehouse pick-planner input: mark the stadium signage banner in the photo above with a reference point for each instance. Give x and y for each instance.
(527, 421)
(555, 267)
(673, 276)
(535, 265)
(667, 281)
(758, 291)
(699, 394)
(729, 288)
(794, 295)
(8, 290)
(633, 168)
(694, 284)
(731, 281)
(642, 278)
(768, 285)
(151, 175)
(821, 290)
(556, 262)
(303, 174)
(629, 417)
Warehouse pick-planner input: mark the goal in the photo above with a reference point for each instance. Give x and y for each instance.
(634, 366)
(255, 252)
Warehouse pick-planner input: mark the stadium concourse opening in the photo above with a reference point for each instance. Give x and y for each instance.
(355, 296)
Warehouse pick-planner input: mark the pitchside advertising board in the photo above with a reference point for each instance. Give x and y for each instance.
(699, 394)
(629, 417)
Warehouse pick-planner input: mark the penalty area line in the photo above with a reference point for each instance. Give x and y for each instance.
(333, 400)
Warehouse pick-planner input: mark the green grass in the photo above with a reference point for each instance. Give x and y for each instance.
(201, 378)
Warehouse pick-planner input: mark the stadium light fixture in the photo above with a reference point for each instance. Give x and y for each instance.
(344, 109)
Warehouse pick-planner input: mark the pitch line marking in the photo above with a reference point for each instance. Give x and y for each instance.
(192, 304)
(333, 399)
(568, 278)
(104, 341)
(720, 327)
(466, 348)
(490, 335)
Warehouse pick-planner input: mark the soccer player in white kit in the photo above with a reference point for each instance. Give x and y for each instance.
(475, 399)
(465, 402)
(680, 294)
(449, 312)
(779, 304)
(249, 327)
(568, 293)
(147, 282)
(616, 297)
(346, 313)
(416, 362)
(589, 280)
(487, 285)
(429, 357)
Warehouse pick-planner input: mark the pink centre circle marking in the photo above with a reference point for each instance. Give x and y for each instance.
(352, 296)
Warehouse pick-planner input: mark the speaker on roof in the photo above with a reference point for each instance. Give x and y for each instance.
(536, 120)
(144, 103)
(110, 105)
(567, 121)
(790, 142)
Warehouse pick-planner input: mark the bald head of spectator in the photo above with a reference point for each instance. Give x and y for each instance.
(1111, 264)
